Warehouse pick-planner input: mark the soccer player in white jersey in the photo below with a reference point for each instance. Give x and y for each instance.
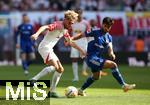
(55, 32)
(80, 26)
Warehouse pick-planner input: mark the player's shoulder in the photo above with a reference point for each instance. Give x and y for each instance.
(57, 22)
(108, 34)
(19, 26)
(109, 37)
(85, 22)
(95, 29)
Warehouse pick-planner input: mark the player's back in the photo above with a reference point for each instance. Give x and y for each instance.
(80, 27)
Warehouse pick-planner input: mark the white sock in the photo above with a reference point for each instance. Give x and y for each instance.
(84, 66)
(55, 80)
(44, 72)
(75, 70)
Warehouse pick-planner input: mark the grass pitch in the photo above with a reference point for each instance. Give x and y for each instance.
(105, 91)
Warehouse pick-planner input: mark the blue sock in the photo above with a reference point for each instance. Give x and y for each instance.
(29, 62)
(117, 75)
(88, 82)
(24, 65)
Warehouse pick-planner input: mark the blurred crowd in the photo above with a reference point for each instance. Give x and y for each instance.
(89, 5)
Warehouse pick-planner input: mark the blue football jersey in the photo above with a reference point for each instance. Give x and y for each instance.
(25, 31)
(26, 44)
(99, 45)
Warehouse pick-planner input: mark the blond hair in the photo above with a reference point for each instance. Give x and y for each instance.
(71, 15)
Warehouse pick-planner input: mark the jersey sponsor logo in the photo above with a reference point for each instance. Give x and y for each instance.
(100, 46)
(95, 28)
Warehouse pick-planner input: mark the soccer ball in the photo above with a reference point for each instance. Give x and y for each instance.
(71, 92)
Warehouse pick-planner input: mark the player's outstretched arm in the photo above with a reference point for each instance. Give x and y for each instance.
(73, 44)
(111, 52)
(78, 36)
(42, 28)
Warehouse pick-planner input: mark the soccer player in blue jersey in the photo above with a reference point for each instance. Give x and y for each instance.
(101, 43)
(26, 45)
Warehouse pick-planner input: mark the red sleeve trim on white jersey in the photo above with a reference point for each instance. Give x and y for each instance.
(66, 35)
(55, 25)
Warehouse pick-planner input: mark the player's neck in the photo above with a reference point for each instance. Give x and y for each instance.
(103, 32)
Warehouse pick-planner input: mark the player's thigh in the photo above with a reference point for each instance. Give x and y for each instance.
(95, 63)
(23, 55)
(31, 56)
(53, 62)
(109, 64)
(60, 66)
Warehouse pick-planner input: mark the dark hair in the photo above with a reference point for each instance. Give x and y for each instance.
(78, 10)
(109, 21)
(24, 14)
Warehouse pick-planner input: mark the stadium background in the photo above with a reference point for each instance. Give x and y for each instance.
(132, 19)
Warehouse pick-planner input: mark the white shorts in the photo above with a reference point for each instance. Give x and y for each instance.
(47, 54)
(82, 44)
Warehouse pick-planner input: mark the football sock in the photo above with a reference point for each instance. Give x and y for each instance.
(84, 66)
(55, 80)
(117, 75)
(75, 70)
(88, 82)
(29, 62)
(24, 65)
(44, 72)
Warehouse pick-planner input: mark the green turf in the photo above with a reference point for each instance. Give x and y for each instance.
(98, 96)
(106, 91)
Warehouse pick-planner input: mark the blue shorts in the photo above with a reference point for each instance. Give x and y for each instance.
(27, 48)
(95, 63)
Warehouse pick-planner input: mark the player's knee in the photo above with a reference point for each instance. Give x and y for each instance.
(96, 77)
(114, 65)
(32, 56)
(60, 70)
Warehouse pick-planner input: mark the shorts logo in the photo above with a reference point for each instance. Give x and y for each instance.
(95, 62)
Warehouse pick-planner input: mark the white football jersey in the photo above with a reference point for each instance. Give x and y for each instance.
(53, 36)
(80, 27)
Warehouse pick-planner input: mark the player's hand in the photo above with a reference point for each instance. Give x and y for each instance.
(82, 54)
(34, 37)
(17, 46)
